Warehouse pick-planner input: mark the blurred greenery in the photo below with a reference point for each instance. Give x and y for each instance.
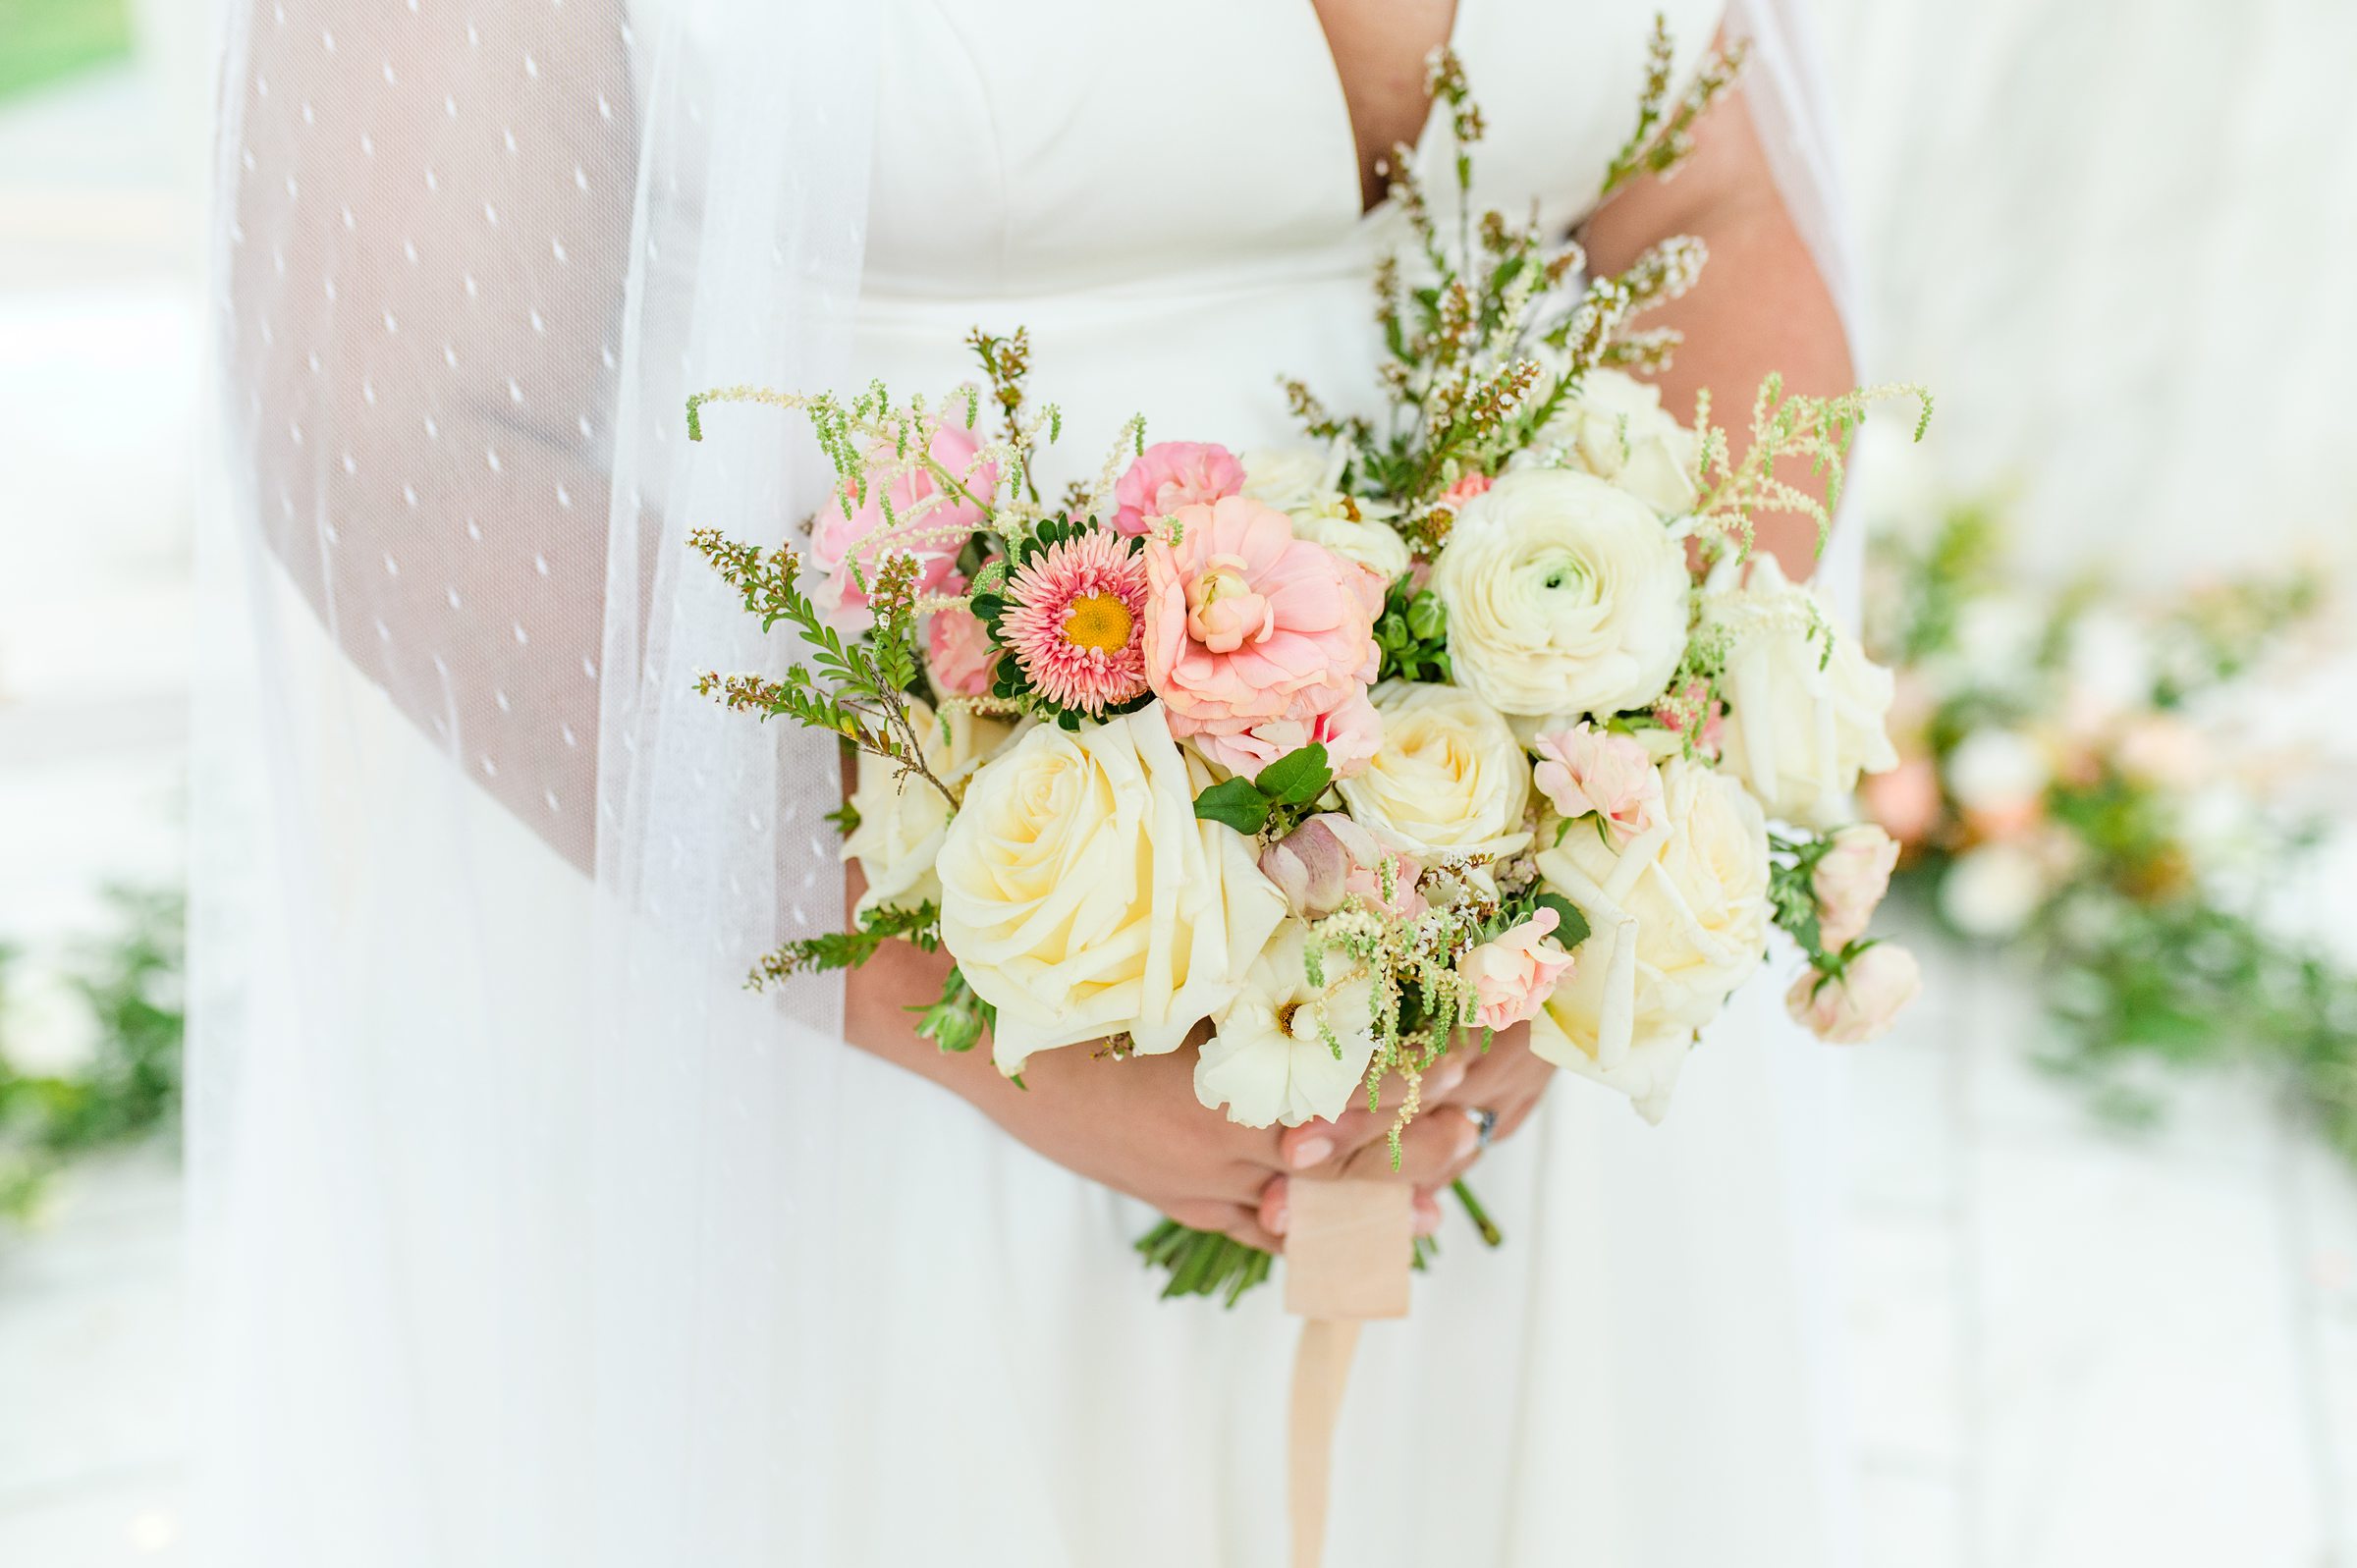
(131, 985)
(41, 40)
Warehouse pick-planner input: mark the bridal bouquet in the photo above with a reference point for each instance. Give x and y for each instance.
(1325, 761)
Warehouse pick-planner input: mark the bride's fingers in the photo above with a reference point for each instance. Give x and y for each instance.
(1432, 1142)
(1319, 1143)
(1230, 1219)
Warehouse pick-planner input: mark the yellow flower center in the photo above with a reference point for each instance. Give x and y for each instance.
(1098, 620)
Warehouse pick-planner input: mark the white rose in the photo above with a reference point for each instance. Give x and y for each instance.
(1363, 539)
(1992, 892)
(1272, 1058)
(1679, 919)
(1997, 772)
(1285, 477)
(1805, 705)
(1853, 1010)
(901, 819)
(1300, 483)
(1615, 428)
(1080, 895)
(1450, 778)
(1564, 595)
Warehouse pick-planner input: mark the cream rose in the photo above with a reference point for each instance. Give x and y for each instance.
(1805, 705)
(1450, 778)
(1679, 919)
(902, 820)
(1273, 1057)
(1565, 596)
(1080, 895)
(1615, 428)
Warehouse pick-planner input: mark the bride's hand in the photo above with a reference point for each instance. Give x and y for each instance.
(1444, 1141)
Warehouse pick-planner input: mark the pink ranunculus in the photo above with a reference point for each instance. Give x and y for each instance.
(1585, 768)
(838, 535)
(957, 648)
(1514, 972)
(1849, 883)
(1312, 865)
(1350, 734)
(1170, 475)
(1853, 1010)
(1245, 623)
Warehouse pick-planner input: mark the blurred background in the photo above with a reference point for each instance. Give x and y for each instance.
(2103, 1216)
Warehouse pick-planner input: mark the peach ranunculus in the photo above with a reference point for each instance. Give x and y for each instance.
(1584, 769)
(1349, 732)
(1245, 623)
(1170, 475)
(1514, 972)
(839, 537)
(1853, 1010)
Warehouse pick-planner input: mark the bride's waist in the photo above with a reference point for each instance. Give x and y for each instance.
(1319, 281)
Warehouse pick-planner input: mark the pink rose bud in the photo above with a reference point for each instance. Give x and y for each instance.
(1849, 883)
(1465, 489)
(1583, 770)
(957, 648)
(1853, 1010)
(1514, 972)
(1312, 865)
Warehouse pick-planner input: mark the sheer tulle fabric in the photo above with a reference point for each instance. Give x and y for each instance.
(524, 1235)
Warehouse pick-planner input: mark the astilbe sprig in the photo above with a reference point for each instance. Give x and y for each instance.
(1784, 425)
(1663, 138)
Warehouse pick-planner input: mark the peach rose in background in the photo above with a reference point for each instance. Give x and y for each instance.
(1245, 623)
(1905, 801)
(1583, 770)
(1849, 883)
(838, 535)
(1851, 1010)
(1514, 972)
(1170, 475)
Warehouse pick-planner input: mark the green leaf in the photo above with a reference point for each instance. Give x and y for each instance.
(1571, 927)
(1297, 777)
(1236, 802)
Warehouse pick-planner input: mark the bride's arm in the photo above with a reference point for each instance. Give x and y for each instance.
(1761, 305)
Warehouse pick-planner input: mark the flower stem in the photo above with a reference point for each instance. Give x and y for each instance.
(1490, 1235)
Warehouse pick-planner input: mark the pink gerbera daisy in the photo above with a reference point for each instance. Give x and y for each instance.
(1075, 622)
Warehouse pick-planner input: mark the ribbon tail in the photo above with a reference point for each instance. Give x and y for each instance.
(1321, 1369)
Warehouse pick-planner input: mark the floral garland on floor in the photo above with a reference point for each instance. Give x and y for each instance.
(2090, 783)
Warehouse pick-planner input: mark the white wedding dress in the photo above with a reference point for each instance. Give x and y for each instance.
(524, 1238)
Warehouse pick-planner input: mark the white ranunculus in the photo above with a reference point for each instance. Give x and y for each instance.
(1565, 596)
(1450, 778)
(1615, 428)
(1081, 897)
(902, 820)
(1678, 918)
(1285, 477)
(1804, 718)
(1271, 1058)
(1992, 892)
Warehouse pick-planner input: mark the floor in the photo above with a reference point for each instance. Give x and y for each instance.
(2071, 1347)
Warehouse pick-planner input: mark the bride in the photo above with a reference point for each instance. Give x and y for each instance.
(524, 1235)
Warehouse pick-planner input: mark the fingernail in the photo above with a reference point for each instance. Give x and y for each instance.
(1468, 1138)
(1445, 1078)
(1312, 1152)
(1276, 1219)
(1427, 1216)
